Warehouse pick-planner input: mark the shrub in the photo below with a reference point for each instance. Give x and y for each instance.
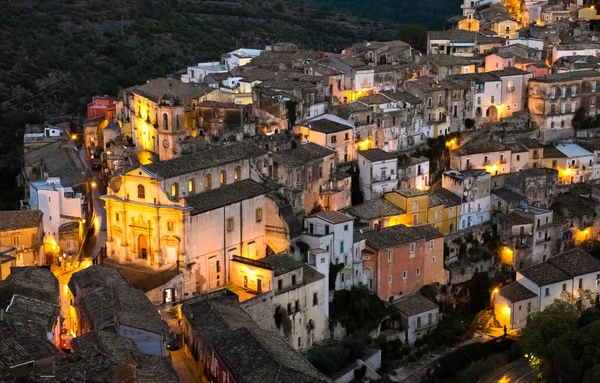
(406, 350)
(412, 358)
(419, 342)
(419, 353)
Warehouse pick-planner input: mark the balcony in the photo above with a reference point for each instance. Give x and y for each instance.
(486, 163)
(502, 161)
(391, 177)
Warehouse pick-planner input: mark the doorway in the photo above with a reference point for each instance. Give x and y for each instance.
(168, 296)
(143, 246)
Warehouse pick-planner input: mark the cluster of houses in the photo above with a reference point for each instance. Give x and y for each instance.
(252, 188)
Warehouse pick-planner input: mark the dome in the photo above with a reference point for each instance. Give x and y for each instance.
(170, 98)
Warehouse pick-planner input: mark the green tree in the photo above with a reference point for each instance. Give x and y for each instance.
(416, 36)
(360, 300)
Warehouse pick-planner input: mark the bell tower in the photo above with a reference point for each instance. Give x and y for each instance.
(468, 7)
(171, 128)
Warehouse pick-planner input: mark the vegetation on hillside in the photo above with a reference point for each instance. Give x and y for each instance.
(428, 13)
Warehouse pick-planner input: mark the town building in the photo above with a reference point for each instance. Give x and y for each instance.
(104, 300)
(563, 277)
(419, 316)
(413, 172)
(22, 233)
(378, 172)
(338, 229)
(400, 259)
(376, 214)
(454, 42)
(554, 99)
(539, 185)
(331, 132)
(226, 344)
(474, 187)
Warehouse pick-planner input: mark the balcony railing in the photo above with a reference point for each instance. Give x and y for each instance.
(391, 177)
(502, 160)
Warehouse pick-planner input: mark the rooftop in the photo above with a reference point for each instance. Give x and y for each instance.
(332, 216)
(205, 159)
(411, 161)
(392, 236)
(282, 263)
(509, 194)
(455, 35)
(20, 219)
(403, 96)
(374, 209)
(155, 89)
(12, 354)
(567, 76)
(60, 160)
(573, 150)
(327, 126)
(415, 304)
(410, 192)
(37, 317)
(376, 155)
(302, 155)
(442, 60)
(443, 197)
(225, 195)
(94, 276)
(375, 99)
(509, 71)
(576, 262)
(516, 292)
(544, 274)
(481, 147)
(35, 282)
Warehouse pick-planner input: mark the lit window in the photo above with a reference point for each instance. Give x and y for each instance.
(191, 186)
(223, 177)
(170, 226)
(174, 190)
(237, 173)
(208, 182)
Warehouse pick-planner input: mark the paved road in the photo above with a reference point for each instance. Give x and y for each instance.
(516, 372)
(99, 223)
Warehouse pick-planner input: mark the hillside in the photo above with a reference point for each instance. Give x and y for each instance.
(431, 14)
(58, 53)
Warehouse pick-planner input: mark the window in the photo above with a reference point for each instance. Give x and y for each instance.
(165, 121)
(412, 250)
(390, 256)
(404, 275)
(346, 136)
(289, 308)
(315, 299)
(593, 102)
(191, 186)
(547, 292)
(389, 279)
(563, 107)
(343, 277)
(333, 139)
(563, 92)
(229, 224)
(573, 106)
(237, 173)
(117, 217)
(341, 246)
(297, 306)
(581, 283)
(429, 103)
(170, 226)
(208, 182)
(223, 177)
(293, 279)
(552, 109)
(594, 87)
(245, 281)
(259, 285)
(433, 259)
(431, 245)
(345, 227)
(564, 287)
(218, 266)
(258, 215)
(415, 205)
(553, 93)
(492, 99)
(174, 190)
(418, 271)
(573, 91)
(279, 284)
(141, 192)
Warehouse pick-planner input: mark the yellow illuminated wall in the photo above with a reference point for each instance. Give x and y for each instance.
(467, 24)
(417, 205)
(446, 221)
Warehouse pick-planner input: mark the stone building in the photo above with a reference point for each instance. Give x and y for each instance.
(474, 187)
(23, 232)
(554, 99)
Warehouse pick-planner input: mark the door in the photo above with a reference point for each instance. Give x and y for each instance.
(142, 247)
(259, 285)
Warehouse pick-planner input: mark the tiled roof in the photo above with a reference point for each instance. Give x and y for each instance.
(443, 197)
(415, 304)
(375, 99)
(219, 105)
(567, 76)
(33, 282)
(12, 354)
(509, 71)
(544, 274)
(411, 161)
(456, 35)
(508, 194)
(95, 276)
(282, 263)
(576, 262)
(20, 219)
(443, 60)
(225, 195)
(302, 155)
(514, 218)
(374, 209)
(255, 355)
(327, 126)
(332, 216)
(410, 192)
(38, 317)
(403, 96)
(392, 236)
(155, 89)
(61, 160)
(516, 292)
(481, 147)
(428, 232)
(376, 154)
(205, 159)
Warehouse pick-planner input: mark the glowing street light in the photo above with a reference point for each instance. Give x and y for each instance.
(73, 137)
(93, 184)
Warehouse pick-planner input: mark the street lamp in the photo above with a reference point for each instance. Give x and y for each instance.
(93, 184)
(73, 137)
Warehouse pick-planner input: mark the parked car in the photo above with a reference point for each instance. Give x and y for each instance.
(96, 164)
(173, 344)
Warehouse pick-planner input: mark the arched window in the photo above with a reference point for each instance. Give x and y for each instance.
(141, 192)
(237, 174)
(207, 182)
(191, 186)
(174, 190)
(223, 177)
(165, 121)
